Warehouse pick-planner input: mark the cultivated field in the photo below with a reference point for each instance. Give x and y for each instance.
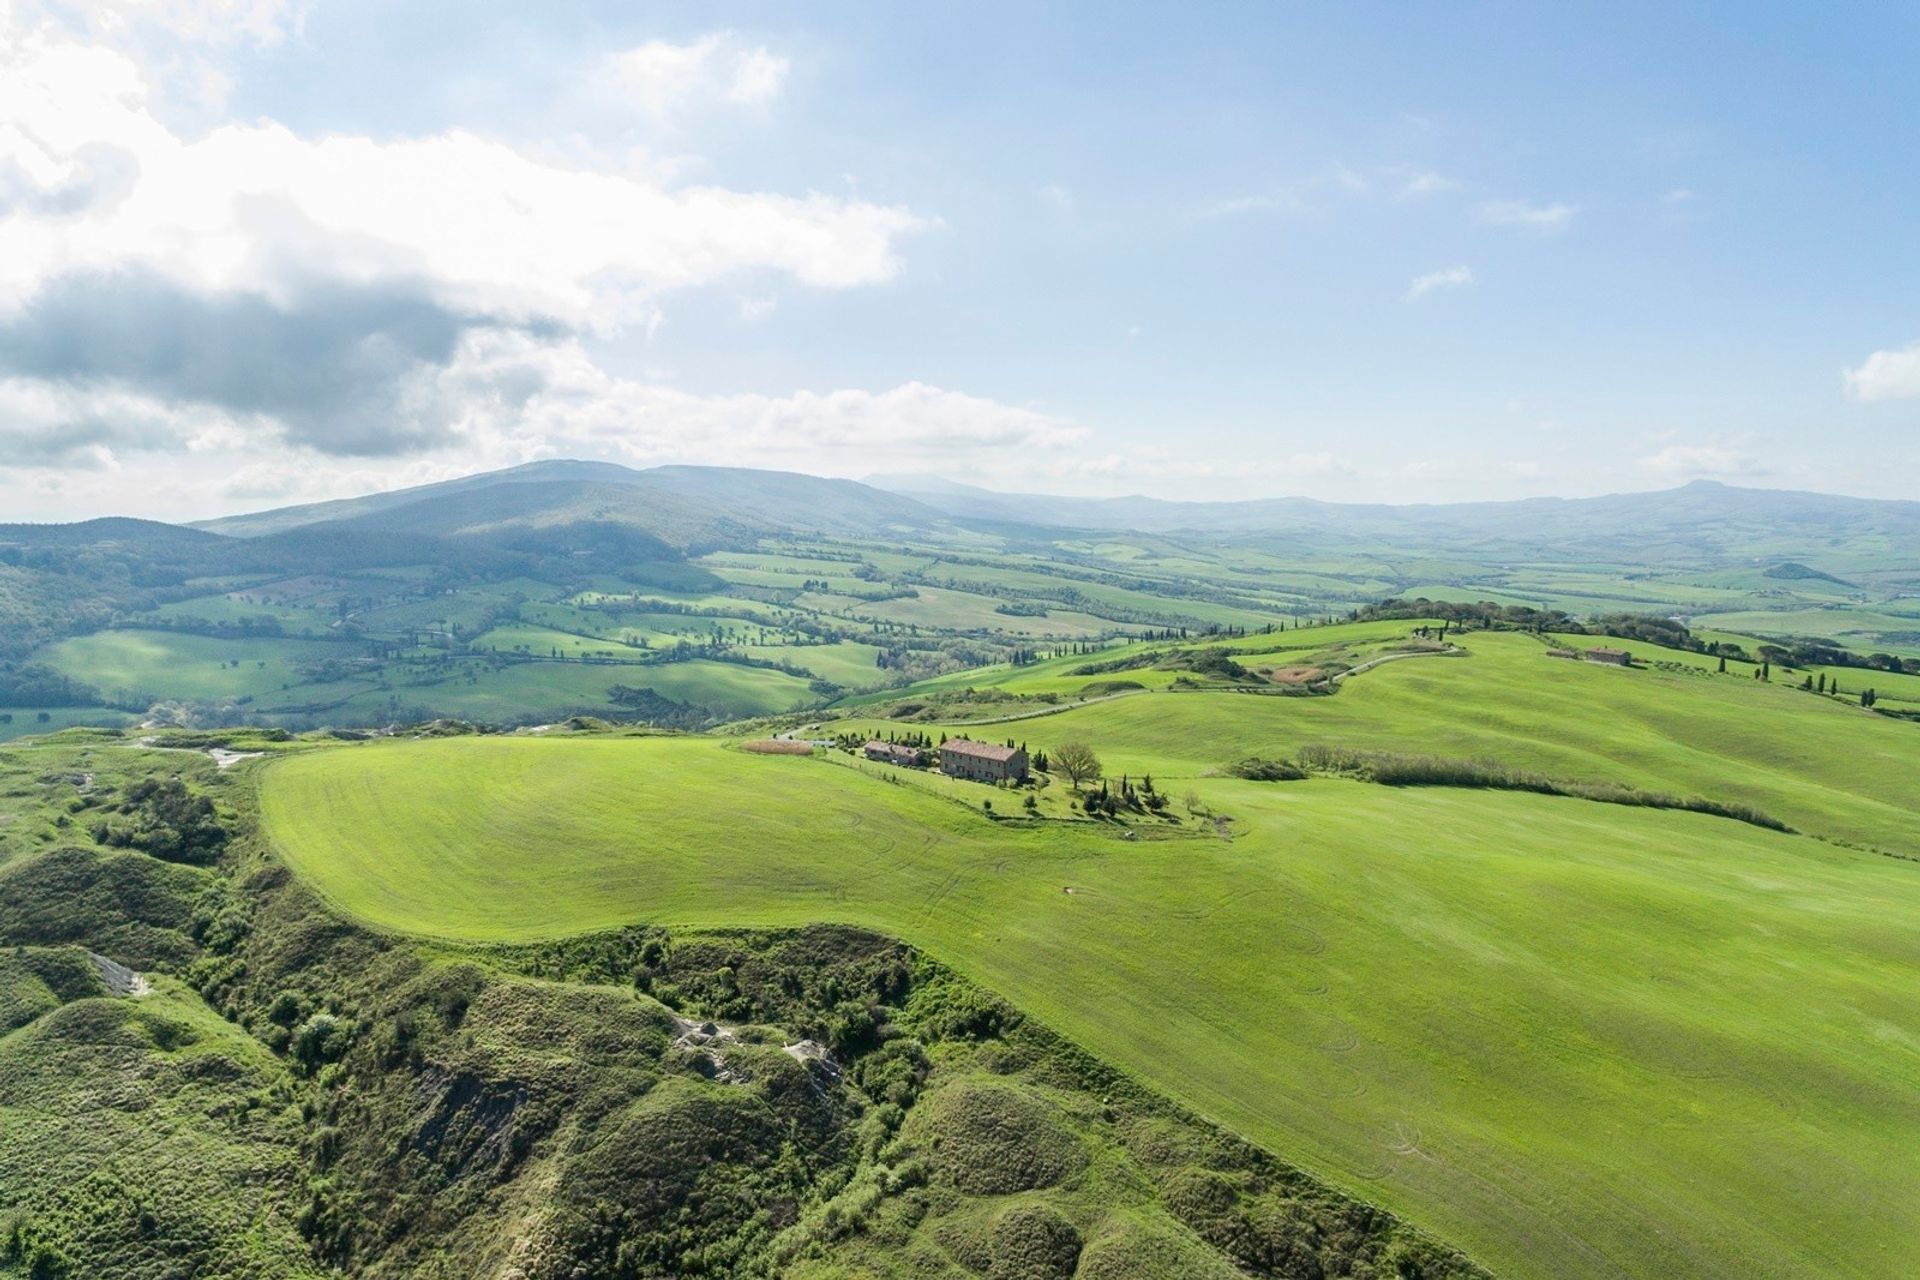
(1575, 1039)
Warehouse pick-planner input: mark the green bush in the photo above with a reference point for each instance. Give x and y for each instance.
(1256, 769)
(994, 1139)
(1394, 769)
(1033, 1242)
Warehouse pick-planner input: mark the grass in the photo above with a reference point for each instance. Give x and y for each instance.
(532, 689)
(1820, 765)
(1575, 1039)
(150, 665)
(20, 722)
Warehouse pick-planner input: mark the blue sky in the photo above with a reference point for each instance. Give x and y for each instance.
(1364, 252)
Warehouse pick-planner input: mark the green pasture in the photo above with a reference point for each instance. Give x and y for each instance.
(20, 722)
(152, 665)
(544, 642)
(847, 663)
(1821, 765)
(524, 690)
(231, 610)
(1894, 687)
(1576, 1039)
(937, 608)
(1867, 628)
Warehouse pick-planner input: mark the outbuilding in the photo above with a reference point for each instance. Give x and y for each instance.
(894, 753)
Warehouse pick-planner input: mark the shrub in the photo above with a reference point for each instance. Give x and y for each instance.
(993, 1139)
(1393, 769)
(1033, 1242)
(1256, 769)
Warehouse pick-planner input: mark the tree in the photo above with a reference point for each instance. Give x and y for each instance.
(1077, 761)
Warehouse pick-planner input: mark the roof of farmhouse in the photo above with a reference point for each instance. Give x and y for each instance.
(983, 750)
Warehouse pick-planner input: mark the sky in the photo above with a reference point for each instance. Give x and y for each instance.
(256, 252)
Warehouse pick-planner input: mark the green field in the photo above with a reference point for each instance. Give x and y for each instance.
(143, 666)
(19, 722)
(1821, 765)
(1576, 1039)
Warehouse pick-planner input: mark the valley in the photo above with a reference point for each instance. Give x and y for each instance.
(1395, 899)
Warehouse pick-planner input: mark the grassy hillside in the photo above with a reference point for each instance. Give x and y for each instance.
(1823, 766)
(285, 1096)
(1579, 1039)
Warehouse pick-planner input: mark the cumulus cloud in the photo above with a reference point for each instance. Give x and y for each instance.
(1531, 217)
(662, 78)
(1692, 462)
(1447, 278)
(190, 319)
(520, 393)
(323, 291)
(484, 226)
(1886, 375)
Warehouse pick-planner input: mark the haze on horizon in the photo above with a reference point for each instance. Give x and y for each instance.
(259, 252)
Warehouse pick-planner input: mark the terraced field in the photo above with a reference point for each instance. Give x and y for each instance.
(1575, 1039)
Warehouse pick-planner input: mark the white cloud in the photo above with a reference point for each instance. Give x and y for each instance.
(97, 184)
(1533, 217)
(1679, 195)
(1679, 461)
(1448, 278)
(1235, 205)
(311, 268)
(1295, 196)
(518, 394)
(1886, 375)
(1426, 183)
(662, 78)
(209, 22)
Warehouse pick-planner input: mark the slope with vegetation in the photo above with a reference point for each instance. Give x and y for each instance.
(285, 1094)
(1580, 1039)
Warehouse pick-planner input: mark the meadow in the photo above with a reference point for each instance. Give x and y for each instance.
(1574, 1039)
(1822, 765)
(147, 666)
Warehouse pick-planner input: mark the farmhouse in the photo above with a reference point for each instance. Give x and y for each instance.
(982, 761)
(1618, 657)
(894, 753)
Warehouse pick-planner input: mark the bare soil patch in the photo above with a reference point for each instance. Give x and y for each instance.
(777, 747)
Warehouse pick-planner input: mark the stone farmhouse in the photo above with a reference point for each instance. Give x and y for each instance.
(1618, 657)
(894, 753)
(982, 761)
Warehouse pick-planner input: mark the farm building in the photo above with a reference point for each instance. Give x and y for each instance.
(1618, 657)
(982, 761)
(894, 753)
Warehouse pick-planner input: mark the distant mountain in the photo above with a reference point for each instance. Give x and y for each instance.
(107, 531)
(700, 508)
(683, 506)
(1703, 518)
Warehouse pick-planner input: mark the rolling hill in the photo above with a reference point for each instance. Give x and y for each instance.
(1575, 1038)
(687, 506)
(1701, 519)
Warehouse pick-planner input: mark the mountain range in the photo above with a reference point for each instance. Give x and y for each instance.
(698, 508)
